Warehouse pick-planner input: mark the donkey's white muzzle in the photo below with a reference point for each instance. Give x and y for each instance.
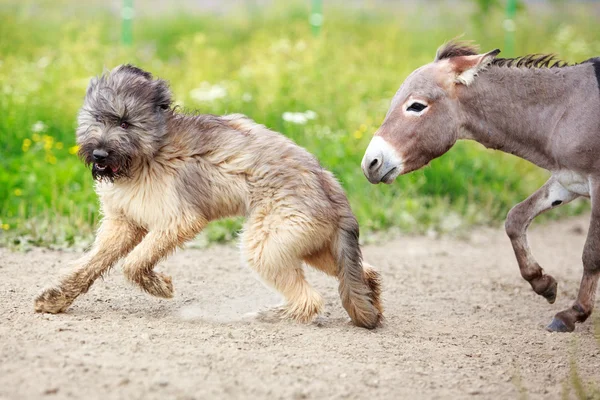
(381, 162)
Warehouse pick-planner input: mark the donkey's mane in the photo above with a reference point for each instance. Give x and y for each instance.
(456, 48)
(531, 61)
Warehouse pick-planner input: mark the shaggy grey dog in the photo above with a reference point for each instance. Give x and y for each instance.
(163, 176)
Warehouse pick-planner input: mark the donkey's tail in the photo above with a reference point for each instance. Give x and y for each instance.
(360, 284)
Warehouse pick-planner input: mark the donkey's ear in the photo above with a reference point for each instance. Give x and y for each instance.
(466, 68)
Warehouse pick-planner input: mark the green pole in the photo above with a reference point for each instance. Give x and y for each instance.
(316, 17)
(509, 27)
(127, 22)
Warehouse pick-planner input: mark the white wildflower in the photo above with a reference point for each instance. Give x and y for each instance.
(208, 93)
(43, 62)
(299, 117)
(38, 127)
(246, 97)
(310, 114)
(295, 118)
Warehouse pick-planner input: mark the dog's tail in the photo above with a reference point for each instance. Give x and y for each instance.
(360, 284)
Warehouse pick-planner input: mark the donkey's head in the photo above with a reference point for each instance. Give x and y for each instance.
(424, 119)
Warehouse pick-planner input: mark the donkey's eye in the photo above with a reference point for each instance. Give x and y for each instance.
(124, 125)
(416, 107)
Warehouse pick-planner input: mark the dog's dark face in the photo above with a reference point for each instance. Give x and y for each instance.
(122, 121)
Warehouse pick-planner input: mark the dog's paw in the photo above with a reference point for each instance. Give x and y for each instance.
(159, 285)
(52, 300)
(287, 312)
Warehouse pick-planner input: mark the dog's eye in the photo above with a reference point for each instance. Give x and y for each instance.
(124, 125)
(416, 107)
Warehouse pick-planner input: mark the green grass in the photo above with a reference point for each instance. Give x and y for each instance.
(269, 63)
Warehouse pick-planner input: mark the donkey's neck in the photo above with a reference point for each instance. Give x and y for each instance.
(516, 110)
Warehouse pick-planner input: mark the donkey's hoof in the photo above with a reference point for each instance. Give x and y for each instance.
(550, 293)
(558, 325)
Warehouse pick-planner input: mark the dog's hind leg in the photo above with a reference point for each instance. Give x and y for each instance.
(274, 253)
(359, 288)
(324, 261)
(138, 266)
(115, 238)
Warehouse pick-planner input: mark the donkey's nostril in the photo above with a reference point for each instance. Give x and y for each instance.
(374, 163)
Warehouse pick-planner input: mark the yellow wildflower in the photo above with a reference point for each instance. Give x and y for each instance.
(74, 149)
(358, 134)
(26, 145)
(18, 192)
(48, 142)
(5, 227)
(59, 145)
(363, 128)
(50, 159)
(36, 137)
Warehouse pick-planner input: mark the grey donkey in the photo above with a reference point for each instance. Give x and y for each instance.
(162, 176)
(535, 107)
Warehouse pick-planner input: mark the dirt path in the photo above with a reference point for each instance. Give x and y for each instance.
(461, 323)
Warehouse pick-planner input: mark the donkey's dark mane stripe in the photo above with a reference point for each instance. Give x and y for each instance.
(596, 63)
(457, 48)
(531, 61)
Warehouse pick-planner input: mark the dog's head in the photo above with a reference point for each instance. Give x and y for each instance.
(122, 121)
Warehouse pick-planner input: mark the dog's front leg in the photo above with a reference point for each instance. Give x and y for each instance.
(115, 238)
(158, 244)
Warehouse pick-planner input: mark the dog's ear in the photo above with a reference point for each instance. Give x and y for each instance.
(92, 86)
(133, 70)
(162, 94)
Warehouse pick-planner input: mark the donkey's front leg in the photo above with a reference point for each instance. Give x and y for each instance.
(565, 320)
(551, 195)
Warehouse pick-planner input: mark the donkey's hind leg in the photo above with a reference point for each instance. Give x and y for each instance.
(552, 194)
(565, 320)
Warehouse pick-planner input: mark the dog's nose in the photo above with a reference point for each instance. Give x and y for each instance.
(99, 155)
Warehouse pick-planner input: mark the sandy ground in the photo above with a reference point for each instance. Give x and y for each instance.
(461, 323)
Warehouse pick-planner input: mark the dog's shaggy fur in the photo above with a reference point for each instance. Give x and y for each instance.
(163, 176)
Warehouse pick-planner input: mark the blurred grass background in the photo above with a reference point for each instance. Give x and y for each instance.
(329, 92)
